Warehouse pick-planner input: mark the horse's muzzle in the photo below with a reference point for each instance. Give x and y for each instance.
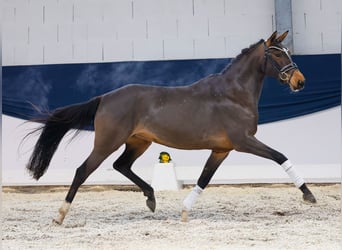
(300, 85)
(297, 81)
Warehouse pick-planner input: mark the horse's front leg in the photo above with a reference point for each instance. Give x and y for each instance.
(209, 170)
(254, 146)
(298, 181)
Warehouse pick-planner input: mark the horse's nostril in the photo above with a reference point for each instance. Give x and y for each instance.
(300, 84)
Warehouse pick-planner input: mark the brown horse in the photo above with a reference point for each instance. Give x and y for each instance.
(224, 117)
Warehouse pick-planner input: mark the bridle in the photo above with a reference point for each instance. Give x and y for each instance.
(283, 71)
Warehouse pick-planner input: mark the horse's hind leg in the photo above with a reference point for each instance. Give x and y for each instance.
(135, 147)
(90, 165)
(254, 146)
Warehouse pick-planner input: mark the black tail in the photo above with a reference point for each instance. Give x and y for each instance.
(56, 125)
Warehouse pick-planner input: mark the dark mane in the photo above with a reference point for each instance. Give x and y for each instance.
(243, 52)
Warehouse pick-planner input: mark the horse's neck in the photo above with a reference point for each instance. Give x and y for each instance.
(246, 76)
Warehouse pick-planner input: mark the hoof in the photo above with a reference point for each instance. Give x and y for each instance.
(56, 222)
(309, 198)
(151, 204)
(184, 216)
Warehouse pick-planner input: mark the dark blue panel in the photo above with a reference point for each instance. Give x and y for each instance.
(322, 90)
(52, 86)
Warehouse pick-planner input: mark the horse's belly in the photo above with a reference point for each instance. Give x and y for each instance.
(188, 140)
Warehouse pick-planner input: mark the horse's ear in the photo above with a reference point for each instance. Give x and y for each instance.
(271, 39)
(282, 37)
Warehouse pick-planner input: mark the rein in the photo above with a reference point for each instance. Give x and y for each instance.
(283, 75)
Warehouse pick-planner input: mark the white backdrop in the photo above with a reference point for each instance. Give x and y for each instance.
(79, 31)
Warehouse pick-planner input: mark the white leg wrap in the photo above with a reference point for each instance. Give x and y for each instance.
(63, 210)
(293, 174)
(192, 197)
(65, 207)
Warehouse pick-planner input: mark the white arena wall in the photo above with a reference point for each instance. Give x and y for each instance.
(82, 31)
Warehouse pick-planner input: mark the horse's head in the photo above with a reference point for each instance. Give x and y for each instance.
(278, 62)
